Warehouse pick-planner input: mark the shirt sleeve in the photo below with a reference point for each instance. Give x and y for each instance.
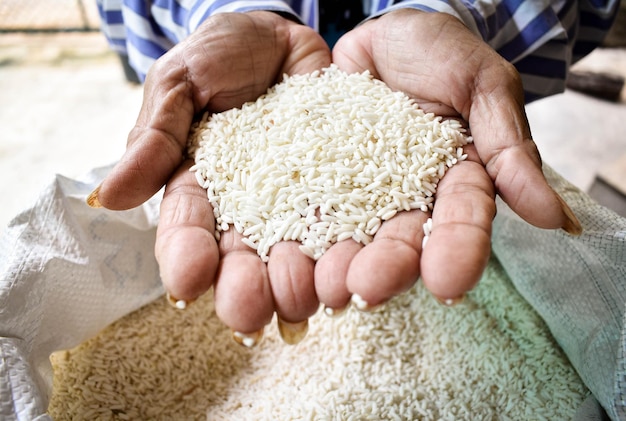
(145, 30)
(541, 38)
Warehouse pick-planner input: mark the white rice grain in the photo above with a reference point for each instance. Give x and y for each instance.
(427, 227)
(327, 146)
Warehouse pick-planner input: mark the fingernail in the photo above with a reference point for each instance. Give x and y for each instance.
(334, 312)
(92, 199)
(176, 303)
(572, 225)
(361, 304)
(450, 302)
(248, 340)
(292, 333)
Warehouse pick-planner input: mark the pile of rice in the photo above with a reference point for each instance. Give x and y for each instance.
(489, 358)
(364, 154)
(321, 158)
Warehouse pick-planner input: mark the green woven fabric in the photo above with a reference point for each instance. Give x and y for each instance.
(577, 285)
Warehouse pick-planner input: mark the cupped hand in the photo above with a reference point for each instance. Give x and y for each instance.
(437, 61)
(228, 60)
(233, 58)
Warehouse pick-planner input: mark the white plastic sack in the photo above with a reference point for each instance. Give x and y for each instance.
(66, 272)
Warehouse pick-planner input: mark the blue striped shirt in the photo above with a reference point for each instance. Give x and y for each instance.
(541, 38)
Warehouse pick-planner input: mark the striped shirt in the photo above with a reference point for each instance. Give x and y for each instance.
(542, 38)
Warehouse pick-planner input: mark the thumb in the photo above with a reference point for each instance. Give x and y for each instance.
(502, 137)
(155, 145)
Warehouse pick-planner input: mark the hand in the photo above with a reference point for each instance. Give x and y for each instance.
(435, 59)
(230, 59)
(234, 58)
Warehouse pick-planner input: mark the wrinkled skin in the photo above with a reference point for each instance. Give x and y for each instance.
(233, 58)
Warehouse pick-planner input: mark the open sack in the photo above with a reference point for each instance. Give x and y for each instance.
(85, 280)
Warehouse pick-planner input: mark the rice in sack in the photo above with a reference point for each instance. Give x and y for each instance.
(321, 158)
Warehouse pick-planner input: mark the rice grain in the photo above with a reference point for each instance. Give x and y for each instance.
(321, 158)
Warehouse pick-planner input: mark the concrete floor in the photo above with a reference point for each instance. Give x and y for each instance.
(65, 108)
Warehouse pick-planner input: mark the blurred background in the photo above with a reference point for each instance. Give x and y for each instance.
(66, 106)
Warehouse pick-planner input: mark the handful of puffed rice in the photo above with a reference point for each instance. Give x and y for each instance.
(321, 158)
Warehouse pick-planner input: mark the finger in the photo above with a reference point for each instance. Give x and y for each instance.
(185, 246)
(390, 264)
(331, 272)
(459, 244)
(519, 180)
(291, 278)
(243, 296)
